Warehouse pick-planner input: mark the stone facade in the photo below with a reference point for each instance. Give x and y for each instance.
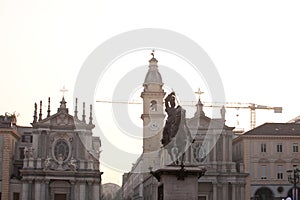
(8, 139)
(266, 153)
(55, 159)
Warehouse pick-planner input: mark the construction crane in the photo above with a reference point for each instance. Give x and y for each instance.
(237, 105)
(252, 106)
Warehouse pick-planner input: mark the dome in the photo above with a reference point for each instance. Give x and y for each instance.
(153, 75)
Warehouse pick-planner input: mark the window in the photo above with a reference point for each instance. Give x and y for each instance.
(279, 147)
(153, 106)
(263, 147)
(16, 196)
(263, 172)
(295, 147)
(279, 172)
(27, 138)
(280, 175)
(21, 153)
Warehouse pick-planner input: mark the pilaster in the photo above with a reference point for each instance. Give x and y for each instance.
(82, 185)
(215, 191)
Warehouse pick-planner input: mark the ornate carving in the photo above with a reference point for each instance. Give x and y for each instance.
(199, 152)
(47, 163)
(28, 152)
(73, 164)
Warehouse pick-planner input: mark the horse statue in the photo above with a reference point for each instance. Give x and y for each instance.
(176, 135)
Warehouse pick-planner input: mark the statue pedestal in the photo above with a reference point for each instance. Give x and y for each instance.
(178, 182)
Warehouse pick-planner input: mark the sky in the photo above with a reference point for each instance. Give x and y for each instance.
(255, 46)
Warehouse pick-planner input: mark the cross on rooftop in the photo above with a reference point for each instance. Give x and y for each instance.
(199, 92)
(63, 90)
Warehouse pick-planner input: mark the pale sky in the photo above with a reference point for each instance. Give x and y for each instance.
(255, 46)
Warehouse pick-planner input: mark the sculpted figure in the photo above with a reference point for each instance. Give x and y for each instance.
(73, 164)
(176, 135)
(47, 163)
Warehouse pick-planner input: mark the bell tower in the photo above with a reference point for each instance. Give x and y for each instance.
(153, 114)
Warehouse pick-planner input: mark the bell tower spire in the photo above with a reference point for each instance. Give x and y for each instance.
(153, 113)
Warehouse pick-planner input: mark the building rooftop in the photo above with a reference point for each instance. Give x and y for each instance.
(7, 120)
(275, 129)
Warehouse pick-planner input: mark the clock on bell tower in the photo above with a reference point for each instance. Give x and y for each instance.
(153, 112)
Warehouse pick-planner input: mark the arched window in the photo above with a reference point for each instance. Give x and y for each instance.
(153, 106)
(264, 193)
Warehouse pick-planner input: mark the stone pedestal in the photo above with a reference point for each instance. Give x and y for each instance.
(178, 182)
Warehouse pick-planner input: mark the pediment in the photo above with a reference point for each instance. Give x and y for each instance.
(60, 119)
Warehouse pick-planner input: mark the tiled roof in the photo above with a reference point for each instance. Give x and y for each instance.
(276, 129)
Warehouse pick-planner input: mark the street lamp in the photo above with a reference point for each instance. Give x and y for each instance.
(293, 177)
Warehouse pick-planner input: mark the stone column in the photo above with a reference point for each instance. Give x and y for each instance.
(215, 149)
(230, 149)
(225, 191)
(30, 190)
(242, 191)
(24, 190)
(224, 147)
(96, 190)
(47, 190)
(90, 191)
(215, 191)
(37, 192)
(82, 190)
(72, 190)
(233, 192)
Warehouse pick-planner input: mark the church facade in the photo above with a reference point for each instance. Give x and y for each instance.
(211, 149)
(55, 159)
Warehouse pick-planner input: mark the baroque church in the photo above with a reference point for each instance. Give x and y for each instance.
(211, 149)
(57, 158)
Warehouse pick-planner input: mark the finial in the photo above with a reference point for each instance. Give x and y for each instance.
(152, 53)
(48, 111)
(63, 106)
(76, 111)
(83, 113)
(40, 115)
(35, 113)
(153, 59)
(63, 90)
(91, 115)
(199, 92)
